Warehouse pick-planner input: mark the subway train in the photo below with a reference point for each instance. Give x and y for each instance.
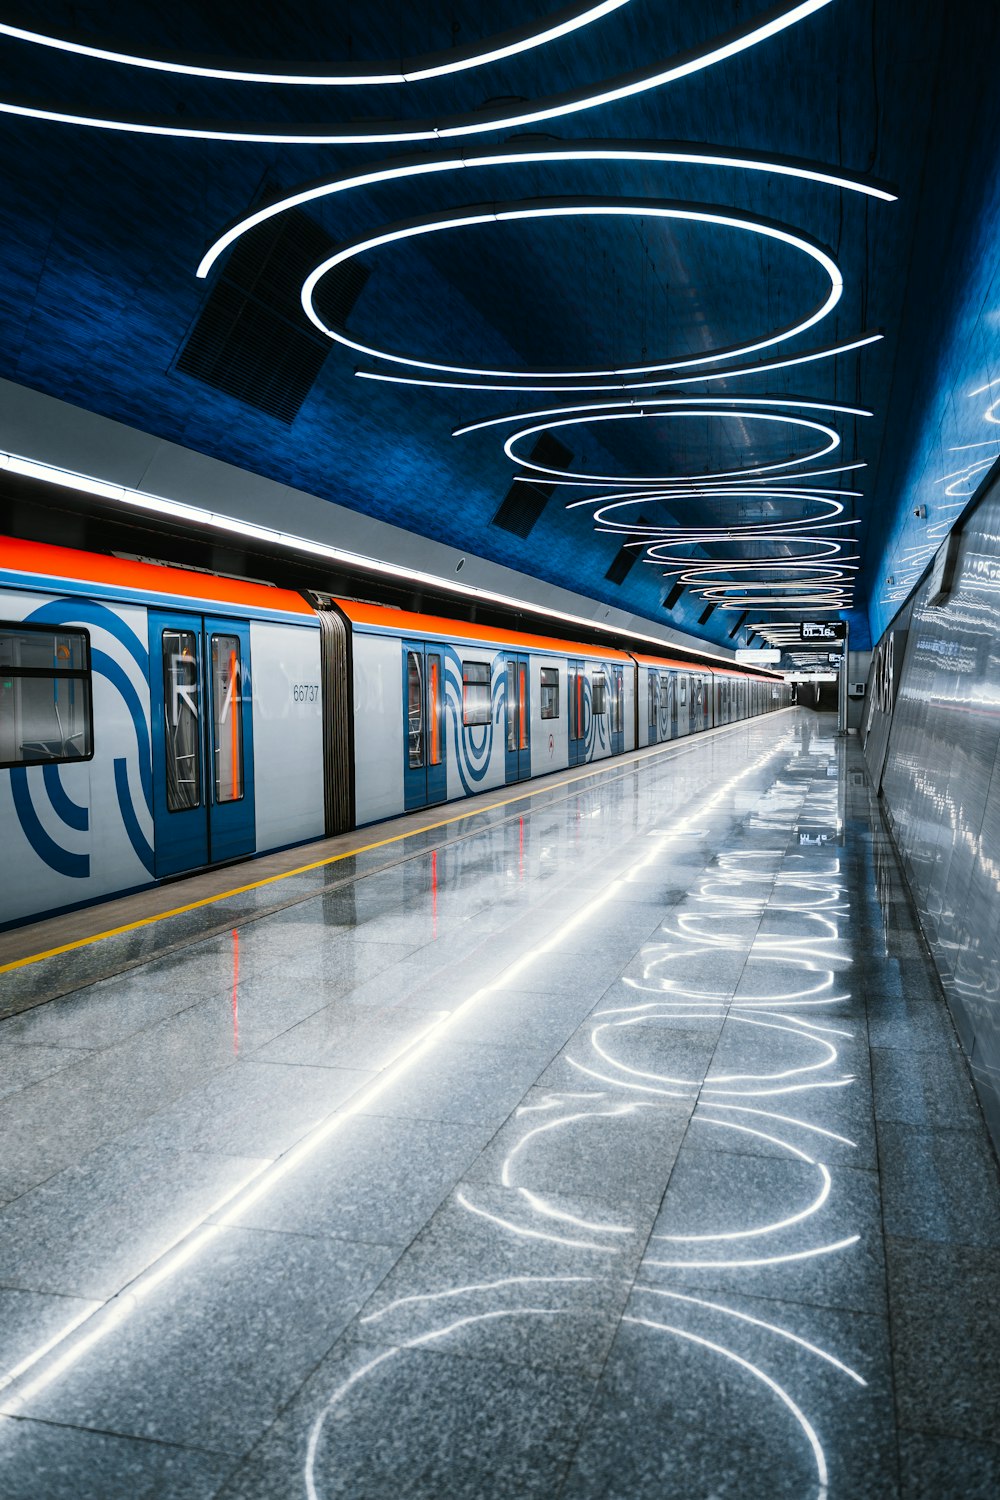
(156, 720)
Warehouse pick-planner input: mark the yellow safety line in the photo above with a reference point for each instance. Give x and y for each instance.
(332, 859)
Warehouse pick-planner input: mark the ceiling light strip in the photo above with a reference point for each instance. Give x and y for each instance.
(644, 403)
(179, 510)
(515, 153)
(625, 86)
(759, 367)
(438, 65)
(832, 443)
(537, 209)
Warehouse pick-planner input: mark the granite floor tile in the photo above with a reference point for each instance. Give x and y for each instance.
(593, 1145)
(23, 1063)
(482, 1232)
(461, 1082)
(935, 1468)
(939, 1185)
(522, 1018)
(945, 1319)
(703, 1420)
(375, 1179)
(918, 1025)
(30, 1319)
(776, 1049)
(108, 1012)
(673, 1009)
(768, 1227)
(269, 1306)
(933, 1090)
(92, 1227)
(829, 1125)
(254, 1109)
(349, 1036)
(465, 1429)
(64, 1463)
(564, 1320)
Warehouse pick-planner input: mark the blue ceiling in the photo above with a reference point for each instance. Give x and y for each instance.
(602, 265)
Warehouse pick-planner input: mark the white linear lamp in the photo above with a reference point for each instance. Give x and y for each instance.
(440, 65)
(539, 209)
(778, 18)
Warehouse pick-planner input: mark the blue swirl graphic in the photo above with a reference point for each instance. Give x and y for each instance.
(473, 742)
(70, 812)
(77, 866)
(135, 834)
(67, 612)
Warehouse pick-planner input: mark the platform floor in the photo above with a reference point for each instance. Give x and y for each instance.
(616, 1146)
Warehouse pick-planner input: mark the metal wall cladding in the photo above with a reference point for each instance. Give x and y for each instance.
(941, 788)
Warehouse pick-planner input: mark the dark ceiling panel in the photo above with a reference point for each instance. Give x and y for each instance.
(104, 231)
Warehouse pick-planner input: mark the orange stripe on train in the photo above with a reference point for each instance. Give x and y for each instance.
(148, 578)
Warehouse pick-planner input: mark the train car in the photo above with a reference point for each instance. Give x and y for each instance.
(444, 709)
(156, 720)
(674, 698)
(153, 720)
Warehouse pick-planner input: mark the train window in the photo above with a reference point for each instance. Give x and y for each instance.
(45, 696)
(181, 718)
(550, 693)
(617, 705)
(575, 705)
(683, 689)
(599, 694)
(227, 718)
(475, 692)
(435, 710)
(415, 711)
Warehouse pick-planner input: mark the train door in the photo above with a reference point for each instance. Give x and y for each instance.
(653, 699)
(202, 730)
(425, 767)
(672, 696)
(617, 715)
(577, 714)
(518, 697)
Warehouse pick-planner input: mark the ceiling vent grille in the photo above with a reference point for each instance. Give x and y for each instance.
(673, 596)
(703, 618)
(251, 339)
(627, 556)
(739, 625)
(523, 504)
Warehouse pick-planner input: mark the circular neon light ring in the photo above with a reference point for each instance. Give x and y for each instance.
(656, 551)
(521, 153)
(745, 530)
(712, 577)
(566, 209)
(435, 65)
(624, 86)
(832, 442)
(714, 405)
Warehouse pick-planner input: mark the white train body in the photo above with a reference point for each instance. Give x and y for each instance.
(156, 721)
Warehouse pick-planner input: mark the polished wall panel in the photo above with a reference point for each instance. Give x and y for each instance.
(941, 784)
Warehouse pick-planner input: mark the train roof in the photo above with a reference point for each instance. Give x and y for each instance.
(41, 565)
(380, 619)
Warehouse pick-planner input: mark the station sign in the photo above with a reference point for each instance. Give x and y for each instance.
(766, 656)
(823, 630)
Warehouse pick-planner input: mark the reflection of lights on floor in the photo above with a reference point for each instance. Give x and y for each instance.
(731, 1312)
(758, 1374)
(738, 888)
